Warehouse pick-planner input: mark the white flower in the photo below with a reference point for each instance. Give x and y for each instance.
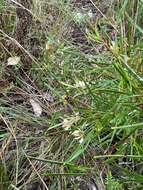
(78, 135)
(81, 140)
(13, 60)
(68, 122)
(49, 46)
(79, 84)
(90, 14)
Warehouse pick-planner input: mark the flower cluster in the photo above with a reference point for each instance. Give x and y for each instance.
(67, 125)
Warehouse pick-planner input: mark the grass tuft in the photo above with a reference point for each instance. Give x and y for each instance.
(81, 65)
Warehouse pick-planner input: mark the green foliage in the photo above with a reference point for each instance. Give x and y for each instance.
(112, 184)
(90, 94)
(4, 182)
(2, 3)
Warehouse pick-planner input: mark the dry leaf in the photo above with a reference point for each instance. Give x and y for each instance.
(48, 97)
(36, 107)
(13, 60)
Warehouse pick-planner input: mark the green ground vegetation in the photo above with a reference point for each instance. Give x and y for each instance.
(71, 111)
